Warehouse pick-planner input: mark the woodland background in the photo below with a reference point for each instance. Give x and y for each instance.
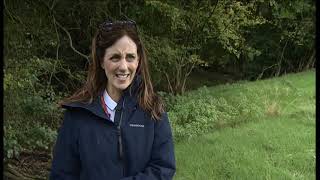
(190, 44)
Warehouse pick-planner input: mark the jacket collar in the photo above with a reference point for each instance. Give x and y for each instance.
(128, 100)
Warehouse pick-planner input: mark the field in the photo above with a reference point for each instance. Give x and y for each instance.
(275, 140)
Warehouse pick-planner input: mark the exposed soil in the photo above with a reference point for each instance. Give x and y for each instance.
(29, 165)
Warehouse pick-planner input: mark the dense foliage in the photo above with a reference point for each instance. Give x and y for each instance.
(47, 50)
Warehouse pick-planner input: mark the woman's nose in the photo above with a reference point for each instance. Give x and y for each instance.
(123, 64)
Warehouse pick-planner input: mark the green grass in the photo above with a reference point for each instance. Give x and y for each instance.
(275, 139)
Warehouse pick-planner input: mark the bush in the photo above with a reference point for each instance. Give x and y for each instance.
(168, 98)
(40, 136)
(30, 112)
(199, 112)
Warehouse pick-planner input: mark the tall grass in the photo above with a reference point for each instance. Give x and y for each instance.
(252, 130)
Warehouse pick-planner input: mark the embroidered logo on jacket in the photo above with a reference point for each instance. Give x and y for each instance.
(136, 125)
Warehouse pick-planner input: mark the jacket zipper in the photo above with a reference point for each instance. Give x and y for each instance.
(120, 141)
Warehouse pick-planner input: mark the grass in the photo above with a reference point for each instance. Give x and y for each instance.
(278, 143)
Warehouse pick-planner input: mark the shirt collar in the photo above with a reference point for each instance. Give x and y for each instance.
(109, 101)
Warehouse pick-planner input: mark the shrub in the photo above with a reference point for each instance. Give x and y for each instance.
(200, 111)
(168, 98)
(30, 111)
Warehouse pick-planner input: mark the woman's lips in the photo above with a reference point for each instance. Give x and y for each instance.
(122, 77)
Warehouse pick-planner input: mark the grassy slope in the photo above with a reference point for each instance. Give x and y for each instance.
(280, 144)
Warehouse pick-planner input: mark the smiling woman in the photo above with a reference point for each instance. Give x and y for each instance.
(120, 64)
(115, 126)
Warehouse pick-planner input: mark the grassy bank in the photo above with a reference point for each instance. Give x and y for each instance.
(271, 134)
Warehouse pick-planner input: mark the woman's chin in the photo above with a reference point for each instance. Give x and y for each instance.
(122, 87)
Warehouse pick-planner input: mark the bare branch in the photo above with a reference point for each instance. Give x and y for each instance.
(58, 38)
(13, 18)
(186, 76)
(9, 13)
(281, 58)
(52, 5)
(190, 70)
(70, 41)
(169, 84)
(261, 74)
(64, 29)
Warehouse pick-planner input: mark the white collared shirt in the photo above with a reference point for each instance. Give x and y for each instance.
(111, 105)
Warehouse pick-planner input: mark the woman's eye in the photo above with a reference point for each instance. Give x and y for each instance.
(114, 58)
(131, 58)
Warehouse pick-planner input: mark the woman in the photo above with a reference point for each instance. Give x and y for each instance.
(115, 126)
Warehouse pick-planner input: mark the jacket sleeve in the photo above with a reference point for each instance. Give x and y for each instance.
(162, 163)
(66, 161)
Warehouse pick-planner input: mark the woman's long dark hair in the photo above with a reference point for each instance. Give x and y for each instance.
(106, 36)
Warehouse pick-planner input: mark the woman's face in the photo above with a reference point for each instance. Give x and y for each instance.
(120, 63)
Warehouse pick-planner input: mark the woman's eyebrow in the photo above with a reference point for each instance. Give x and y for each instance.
(131, 54)
(114, 55)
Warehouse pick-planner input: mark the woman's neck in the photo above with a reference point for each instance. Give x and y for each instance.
(114, 94)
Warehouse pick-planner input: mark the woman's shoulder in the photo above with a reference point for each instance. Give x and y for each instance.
(93, 107)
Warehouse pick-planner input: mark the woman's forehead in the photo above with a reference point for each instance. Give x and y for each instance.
(123, 45)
